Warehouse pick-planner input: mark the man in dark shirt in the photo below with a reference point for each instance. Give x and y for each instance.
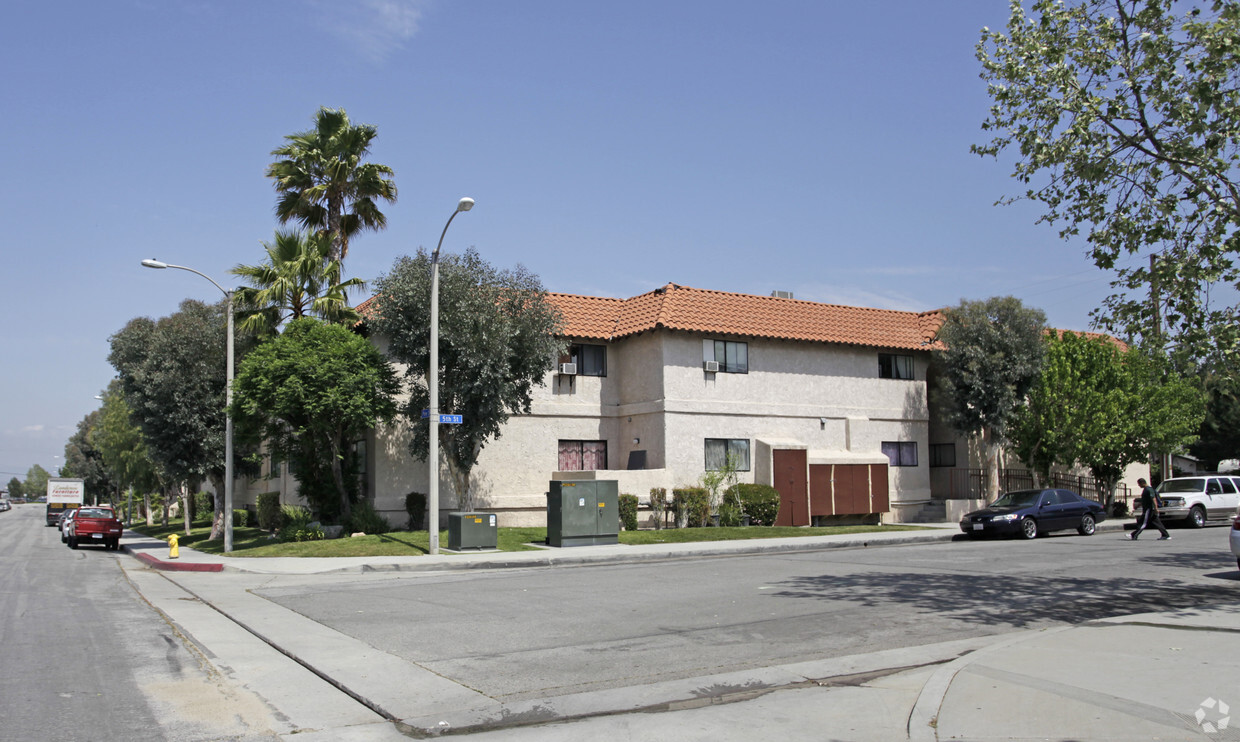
(1149, 514)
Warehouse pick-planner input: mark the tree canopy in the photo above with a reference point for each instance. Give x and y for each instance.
(497, 340)
(1123, 118)
(324, 184)
(311, 394)
(84, 460)
(1105, 408)
(992, 354)
(35, 484)
(173, 374)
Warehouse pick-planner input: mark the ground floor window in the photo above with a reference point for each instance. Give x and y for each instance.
(718, 451)
(942, 454)
(901, 453)
(583, 455)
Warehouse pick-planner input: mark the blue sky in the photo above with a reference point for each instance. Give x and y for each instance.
(818, 146)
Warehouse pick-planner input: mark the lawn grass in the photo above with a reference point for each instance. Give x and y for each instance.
(252, 542)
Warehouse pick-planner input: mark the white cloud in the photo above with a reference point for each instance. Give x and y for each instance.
(373, 28)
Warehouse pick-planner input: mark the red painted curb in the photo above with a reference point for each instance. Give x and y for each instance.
(158, 563)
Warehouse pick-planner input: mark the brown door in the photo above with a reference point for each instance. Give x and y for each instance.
(793, 489)
(879, 501)
(852, 489)
(820, 490)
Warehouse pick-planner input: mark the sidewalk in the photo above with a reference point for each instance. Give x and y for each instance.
(1150, 676)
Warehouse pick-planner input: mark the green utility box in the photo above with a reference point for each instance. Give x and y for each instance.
(472, 531)
(583, 513)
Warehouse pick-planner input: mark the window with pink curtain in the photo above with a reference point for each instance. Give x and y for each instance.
(582, 455)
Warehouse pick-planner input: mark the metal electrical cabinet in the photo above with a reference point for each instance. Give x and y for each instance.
(472, 531)
(583, 513)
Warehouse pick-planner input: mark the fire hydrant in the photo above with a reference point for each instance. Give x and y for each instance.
(173, 551)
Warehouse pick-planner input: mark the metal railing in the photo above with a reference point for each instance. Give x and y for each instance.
(971, 484)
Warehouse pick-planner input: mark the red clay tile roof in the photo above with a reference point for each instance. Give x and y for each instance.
(687, 309)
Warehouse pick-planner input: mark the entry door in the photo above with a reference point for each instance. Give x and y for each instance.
(793, 489)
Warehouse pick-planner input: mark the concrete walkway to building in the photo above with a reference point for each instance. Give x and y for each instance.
(1157, 676)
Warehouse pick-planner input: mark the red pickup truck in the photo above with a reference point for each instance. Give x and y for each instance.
(94, 525)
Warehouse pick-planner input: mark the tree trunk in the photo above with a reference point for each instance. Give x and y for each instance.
(346, 510)
(217, 516)
(992, 464)
(186, 515)
(167, 494)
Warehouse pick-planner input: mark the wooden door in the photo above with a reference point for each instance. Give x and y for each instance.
(792, 485)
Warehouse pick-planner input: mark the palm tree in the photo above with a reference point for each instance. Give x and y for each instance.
(298, 279)
(323, 183)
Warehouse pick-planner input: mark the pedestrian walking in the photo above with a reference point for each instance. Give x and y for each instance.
(1149, 513)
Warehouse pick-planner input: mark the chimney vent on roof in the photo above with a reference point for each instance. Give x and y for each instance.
(782, 294)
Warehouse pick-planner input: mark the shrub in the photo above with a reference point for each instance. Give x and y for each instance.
(1119, 509)
(415, 505)
(269, 511)
(295, 524)
(628, 512)
(729, 512)
(658, 503)
(692, 506)
(759, 501)
(241, 518)
(367, 520)
(202, 506)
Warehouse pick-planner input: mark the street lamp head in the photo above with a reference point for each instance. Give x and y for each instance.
(153, 263)
(466, 204)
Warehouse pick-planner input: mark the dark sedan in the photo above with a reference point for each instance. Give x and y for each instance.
(1027, 513)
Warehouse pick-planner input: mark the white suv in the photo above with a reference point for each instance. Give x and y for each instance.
(1199, 500)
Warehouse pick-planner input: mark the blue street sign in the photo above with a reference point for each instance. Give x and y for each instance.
(443, 419)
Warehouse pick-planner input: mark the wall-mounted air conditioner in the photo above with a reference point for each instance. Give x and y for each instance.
(568, 369)
(711, 367)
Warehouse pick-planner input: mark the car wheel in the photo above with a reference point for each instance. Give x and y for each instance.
(1197, 517)
(1088, 526)
(1028, 528)
(62, 537)
(72, 542)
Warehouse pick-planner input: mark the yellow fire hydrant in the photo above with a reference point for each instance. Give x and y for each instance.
(173, 551)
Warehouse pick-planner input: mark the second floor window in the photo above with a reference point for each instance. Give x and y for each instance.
(732, 357)
(591, 360)
(891, 366)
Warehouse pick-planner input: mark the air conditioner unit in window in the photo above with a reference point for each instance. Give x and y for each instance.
(711, 367)
(568, 369)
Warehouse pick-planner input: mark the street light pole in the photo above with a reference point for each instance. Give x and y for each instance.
(228, 422)
(432, 382)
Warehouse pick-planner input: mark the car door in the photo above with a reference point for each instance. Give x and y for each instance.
(1051, 516)
(1214, 496)
(1223, 505)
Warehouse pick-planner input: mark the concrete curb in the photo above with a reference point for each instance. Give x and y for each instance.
(169, 566)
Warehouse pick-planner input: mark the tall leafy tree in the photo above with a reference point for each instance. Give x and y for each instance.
(991, 356)
(1219, 437)
(123, 449)
(83, 459)
(173, 374)
(325, 185)
(15, 487)
(311, 394)
(298, 279)
(497, 339)
(1105, 408)
(1122, 117)
(35, 484)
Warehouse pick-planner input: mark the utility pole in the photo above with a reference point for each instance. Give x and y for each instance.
(1164, 459)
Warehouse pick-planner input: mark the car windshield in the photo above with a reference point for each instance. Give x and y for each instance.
(1182, 485)
(1021, 499)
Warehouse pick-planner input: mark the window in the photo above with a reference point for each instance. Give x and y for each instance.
(591, 360)
(901, 453)
(942, 454)
(1228, 487)
(894, 367)
(732, 357)
(583, 455)
(719, 449)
